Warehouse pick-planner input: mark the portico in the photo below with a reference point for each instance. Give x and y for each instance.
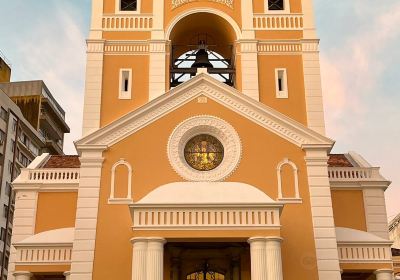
(193, 218)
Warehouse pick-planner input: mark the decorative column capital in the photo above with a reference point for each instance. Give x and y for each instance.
(276, 239)
(22, 275)
(256, 239)
(384, 274)
(67, 275)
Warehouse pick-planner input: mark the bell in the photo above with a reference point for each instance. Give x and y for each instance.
(202, 58)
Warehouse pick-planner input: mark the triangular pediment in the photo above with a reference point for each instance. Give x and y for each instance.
(205, 85)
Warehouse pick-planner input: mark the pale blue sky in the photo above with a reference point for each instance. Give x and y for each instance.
(360, 58)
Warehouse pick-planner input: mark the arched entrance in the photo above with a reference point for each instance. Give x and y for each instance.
(205, 37)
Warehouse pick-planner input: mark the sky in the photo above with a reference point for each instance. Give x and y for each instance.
(360, 58)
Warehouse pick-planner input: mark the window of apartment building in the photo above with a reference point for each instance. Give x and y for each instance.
(8, 188)
(5, 211)
(10, 167)
(12, 146)
(7, 257)
(24, 139)
(23, 159)
(2, 136)
(34, 149)
(15, 125)
(9, 237)
(3, 234)
(3, 113)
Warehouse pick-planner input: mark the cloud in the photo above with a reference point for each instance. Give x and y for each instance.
(360, 91)
(55, 53)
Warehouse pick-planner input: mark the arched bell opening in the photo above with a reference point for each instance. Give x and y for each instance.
(202, 40)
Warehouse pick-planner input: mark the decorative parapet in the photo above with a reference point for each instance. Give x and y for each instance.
(278, 22)
(355, 174)
(283, 47)
(127, 23)
(47, 178)
(204, 217)
(364, 252)
(126, 47)
(44, 255)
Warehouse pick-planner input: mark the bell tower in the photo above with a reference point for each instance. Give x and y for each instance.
(266, 49)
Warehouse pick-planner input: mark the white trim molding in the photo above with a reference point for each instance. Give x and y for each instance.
(186, 13)
(86, 213)
(123, 22)
(205, 85)
(213, 126)
(128, 198)
(278, 22)
(178, 3)
(322, 213)
(118, 8)
(93, 86)
(125, 90)
(297, 197)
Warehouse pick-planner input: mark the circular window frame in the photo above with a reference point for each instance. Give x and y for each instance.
(215, 127)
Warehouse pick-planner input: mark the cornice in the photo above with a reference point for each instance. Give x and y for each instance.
(205, 85)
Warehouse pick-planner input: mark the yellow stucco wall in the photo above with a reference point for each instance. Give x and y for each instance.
(262, 151)
(348, 209)
(55, 210)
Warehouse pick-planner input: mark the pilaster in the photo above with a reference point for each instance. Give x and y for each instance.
(312, 85)
(375, 211)
(93, 86)
(157, 60)
(322, 213)
(247, 20)
(23, 225)
(249, 65)
(157, 32)
(86, 214)
(96, 30)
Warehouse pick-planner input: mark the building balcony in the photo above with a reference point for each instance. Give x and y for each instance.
(362, 248)
(205, 206)
(52, 247)
(58, 178)
(357, 177)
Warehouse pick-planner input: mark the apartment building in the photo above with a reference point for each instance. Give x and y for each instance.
(31, 123)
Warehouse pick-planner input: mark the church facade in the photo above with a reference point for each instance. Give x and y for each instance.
(203, 157)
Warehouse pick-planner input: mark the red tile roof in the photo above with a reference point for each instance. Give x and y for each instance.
(62, 162)
(339, 160)
(335, 160)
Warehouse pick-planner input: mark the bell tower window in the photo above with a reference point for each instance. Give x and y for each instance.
(125, 84)
(127, 6)
(281, 83)
(277, 6)
(274, 5)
